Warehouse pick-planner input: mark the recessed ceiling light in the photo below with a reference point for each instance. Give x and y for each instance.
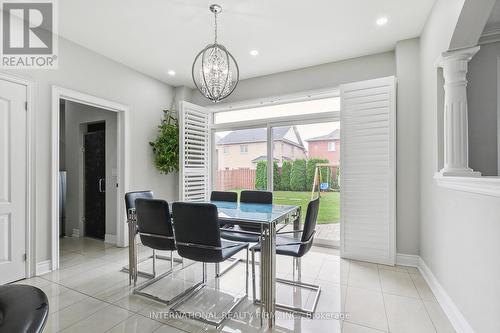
(171, 72)
(382, 21)
(254, 53)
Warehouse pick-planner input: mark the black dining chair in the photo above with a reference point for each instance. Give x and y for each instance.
(244, 232)
(130, 205)
(197, 237)
(295, 247)
(23, 309)
(224, 196)
(156, 232)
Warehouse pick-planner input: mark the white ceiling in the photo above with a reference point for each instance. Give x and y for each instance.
(153, 36)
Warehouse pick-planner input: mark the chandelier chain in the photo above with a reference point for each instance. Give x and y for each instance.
(215, 27)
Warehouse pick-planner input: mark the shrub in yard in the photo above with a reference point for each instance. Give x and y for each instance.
(336, 179)
(276, 177)
(261, 176)
(311, 168)
(286, 170)
(298, 176)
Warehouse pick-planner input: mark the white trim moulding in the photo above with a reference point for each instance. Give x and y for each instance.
(455, 316)
(480, 185)
(453, 313)
(490, 36)
(43, 267)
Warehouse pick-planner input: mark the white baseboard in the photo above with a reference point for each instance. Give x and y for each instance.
(110, 238)
(453, 313)
(407, 260)
(76, 233)
(43, 267)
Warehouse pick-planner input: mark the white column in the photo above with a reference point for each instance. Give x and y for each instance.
(456, 136)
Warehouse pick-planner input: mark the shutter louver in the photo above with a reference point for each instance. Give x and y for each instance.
(368, 170)
(194, 145)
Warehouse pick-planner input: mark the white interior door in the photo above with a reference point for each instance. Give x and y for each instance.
(194, 146)
(368, 170)
(12, 181)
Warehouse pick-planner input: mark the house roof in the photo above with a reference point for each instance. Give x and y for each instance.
(335, 135)
(262, 158)
(258, 135)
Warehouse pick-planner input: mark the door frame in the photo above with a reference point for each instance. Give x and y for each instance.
(30, 232)
(122, 111)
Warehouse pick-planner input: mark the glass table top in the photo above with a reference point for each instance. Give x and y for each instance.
(259, 213)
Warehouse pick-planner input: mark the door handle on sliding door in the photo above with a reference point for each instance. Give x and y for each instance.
(101, 190)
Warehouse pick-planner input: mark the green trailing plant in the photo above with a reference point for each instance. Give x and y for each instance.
(166, 145)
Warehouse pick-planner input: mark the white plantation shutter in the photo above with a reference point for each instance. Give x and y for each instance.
(368, 170)
(194, 146)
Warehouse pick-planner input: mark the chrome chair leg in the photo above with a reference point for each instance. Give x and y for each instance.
(296, 283)
(197, 288)
(154, 264)
(147, 275)
(219, 272)
(246, 274)
(253, 274)
(139, 290)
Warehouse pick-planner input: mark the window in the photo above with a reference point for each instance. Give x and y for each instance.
(279, 110)
(226, 150)
(243, 149)
(331, 146)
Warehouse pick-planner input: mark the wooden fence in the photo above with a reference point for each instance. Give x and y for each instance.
(235, 179)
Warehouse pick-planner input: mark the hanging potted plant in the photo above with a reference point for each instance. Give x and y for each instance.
(166, 145)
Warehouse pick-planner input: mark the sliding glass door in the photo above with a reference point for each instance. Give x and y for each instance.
(238, 155)
(291, 149)
(306, 160)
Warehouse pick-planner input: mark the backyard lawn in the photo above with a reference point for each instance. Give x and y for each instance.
(328, 208)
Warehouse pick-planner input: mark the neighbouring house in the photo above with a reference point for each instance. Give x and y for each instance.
(326, 146)
(243, 149)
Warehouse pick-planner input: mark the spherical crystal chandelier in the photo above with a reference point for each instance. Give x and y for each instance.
(215, 71)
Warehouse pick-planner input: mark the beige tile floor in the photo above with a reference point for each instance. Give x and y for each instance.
(89, 294)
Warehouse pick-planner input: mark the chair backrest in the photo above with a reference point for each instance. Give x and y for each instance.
(130, 198)
(153, 218)
(197, 224)
(309, 225)
(224, 196)
(259, 197)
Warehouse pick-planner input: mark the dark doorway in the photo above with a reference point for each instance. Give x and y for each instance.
(95, 175)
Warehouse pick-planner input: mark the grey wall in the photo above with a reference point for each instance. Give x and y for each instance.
(483, 101)
(310, 78)
(408, 147)
(76, 117)
(85, 71)
(460, 232)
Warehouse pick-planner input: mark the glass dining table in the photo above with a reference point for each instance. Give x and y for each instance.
(270, 218)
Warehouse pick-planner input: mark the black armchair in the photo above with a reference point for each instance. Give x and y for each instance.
(295, 247)
(197, 237)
